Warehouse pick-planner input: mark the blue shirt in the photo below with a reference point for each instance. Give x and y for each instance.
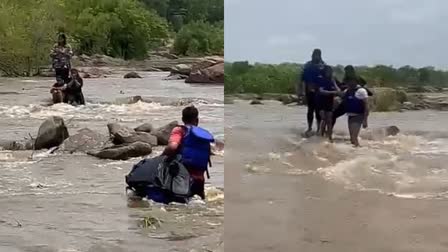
(311, 72)
(325, 84)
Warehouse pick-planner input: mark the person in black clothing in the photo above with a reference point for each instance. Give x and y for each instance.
(73, 90)
(349, 74)
(311, 72)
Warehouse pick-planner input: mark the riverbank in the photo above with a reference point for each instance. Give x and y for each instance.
(208, 69)
(384, 99)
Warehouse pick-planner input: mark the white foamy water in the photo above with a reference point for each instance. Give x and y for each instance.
(412, 164)
(77, 201)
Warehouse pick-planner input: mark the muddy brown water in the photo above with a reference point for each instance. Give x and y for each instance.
(311, 195)
(76, 202)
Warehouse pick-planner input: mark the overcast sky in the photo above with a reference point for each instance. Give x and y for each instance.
(390, 32)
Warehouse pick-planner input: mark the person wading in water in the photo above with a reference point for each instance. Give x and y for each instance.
(308, 87)
(349, 74)
(61, 55)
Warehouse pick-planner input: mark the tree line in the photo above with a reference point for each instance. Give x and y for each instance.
(242, 77)
(125, 29)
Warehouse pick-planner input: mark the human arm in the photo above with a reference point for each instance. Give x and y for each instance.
(174, 142)
(363, 95)
(54, 51)
(68, 50)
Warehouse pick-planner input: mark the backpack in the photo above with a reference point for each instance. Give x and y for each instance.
(196, 150)
(169, 175)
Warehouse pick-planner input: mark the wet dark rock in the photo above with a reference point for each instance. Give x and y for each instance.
(212, 74)
(137, 137)
(124, 135)
(51, 133)
(132, 75)
(163, 133)
(256, 102)
(392, 131)
(85, 140)
(119, 132)
(123, 152)
(146, 127)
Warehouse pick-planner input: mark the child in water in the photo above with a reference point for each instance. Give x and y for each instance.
(73, 90)
(325, 101)
(357, 109)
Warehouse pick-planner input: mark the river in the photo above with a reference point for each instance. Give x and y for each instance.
(75, 202)
(310, 195)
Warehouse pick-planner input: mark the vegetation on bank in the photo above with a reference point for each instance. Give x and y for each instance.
(242, 77)
(125, 29)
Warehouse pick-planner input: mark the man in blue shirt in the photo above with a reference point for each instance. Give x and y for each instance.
(308, 87)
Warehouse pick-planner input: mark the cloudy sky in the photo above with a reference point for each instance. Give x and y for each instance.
(391, 32)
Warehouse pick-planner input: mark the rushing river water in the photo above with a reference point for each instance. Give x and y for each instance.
(311, 195)
(75, 202)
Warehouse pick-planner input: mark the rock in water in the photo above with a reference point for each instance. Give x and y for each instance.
(212, 74)
(392, 131)
(256, 102)
(51, 133)
(132, 75)
(118, 132)
(163, 133)
(146, 127)
(123, 152)
(85, 140)
(138, 137)
(182, 69)
(125, 135)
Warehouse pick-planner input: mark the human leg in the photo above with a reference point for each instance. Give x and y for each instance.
(354, 127)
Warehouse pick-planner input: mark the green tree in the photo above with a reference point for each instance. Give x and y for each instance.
(199, 38)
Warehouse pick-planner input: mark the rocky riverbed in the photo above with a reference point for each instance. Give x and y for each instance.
(384, 99)
(192, 70)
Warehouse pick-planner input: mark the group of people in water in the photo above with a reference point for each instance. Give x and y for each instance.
(68, 86)
(174, 176)
(328, 98)
(178, 174)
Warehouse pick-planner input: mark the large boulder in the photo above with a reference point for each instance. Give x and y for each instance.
(163, 133)
(85, 140)
(138, 137)
(51, 133)
(119, 132)
(131, 75)
(124, 135)
(146, 127)
(123, 152)
(182, 69)
(212, 74)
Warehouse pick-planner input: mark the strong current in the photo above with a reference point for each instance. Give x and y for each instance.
(75, 202)
(312, 195)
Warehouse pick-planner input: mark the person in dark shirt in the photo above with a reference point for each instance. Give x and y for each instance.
(349, 74)
(327, 89)
(311, 72)
(73, 90)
